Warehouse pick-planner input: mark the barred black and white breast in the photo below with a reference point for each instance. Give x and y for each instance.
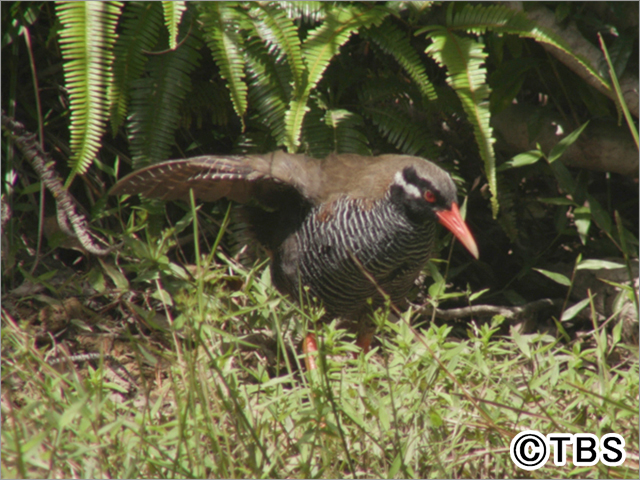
(349, 255)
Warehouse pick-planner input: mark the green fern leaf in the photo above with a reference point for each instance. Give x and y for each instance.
(321, 45)
(270, 91)
(221, 26)
(344, 128)
(467, 75)
(478, 19)
(308, 12)
(206, 100)
(139, 33)
(172, 15)
(394, 42)
(156, 99)
(86, 40)
(281, 35)
(401, 130)
(317, 137)
(328, 131)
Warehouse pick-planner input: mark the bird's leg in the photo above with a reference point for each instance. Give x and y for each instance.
(310, 346)
(364, 342)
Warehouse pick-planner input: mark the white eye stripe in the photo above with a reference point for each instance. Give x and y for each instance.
(410, 189)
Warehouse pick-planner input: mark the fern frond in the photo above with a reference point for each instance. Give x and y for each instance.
(316, 138)
(394, 42)
(307, 12)
(281, 36)
(86, 40)
(254, 140)
(221, 26)
(386, 102)
(321, 45)
(270, 91)
(156, 100)
(467, 75)
(139, 33)
(172, 15)
(206, 100)
(347, 138)
(401, 131)
(477, 19)
(328, 131)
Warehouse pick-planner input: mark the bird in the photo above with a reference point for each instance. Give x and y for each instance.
(347, 227)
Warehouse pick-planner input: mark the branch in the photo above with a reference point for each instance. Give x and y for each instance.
(589, 52)
(602, 147)
(71, 222)
(491, 310)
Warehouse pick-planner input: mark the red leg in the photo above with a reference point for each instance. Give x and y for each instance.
(364, 342)
(309, 346)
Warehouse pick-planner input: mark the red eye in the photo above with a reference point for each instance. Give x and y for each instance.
(429, 196)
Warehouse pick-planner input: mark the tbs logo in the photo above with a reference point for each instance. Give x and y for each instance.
(530, 449)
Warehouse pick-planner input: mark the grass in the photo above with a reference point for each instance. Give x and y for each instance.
(219, 389)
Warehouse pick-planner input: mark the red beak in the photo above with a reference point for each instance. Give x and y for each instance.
(453, 221)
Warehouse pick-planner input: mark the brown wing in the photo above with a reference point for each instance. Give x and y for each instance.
(242, 177)
(237, 177)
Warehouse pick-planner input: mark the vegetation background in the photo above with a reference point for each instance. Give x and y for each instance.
(172, 356)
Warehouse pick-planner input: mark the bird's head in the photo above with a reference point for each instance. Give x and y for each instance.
(427, 193)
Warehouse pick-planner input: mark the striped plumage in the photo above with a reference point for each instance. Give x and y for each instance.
(345, 226)
(335, 254)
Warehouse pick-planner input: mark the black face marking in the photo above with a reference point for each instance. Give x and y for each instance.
(417, 196)
(412, 178)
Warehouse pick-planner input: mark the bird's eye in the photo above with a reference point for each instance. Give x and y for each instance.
(429, 196)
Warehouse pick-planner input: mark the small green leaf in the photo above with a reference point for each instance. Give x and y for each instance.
(147, 355)
(179, 322)
(556, 277)
(522, 342)
(96, 280)
(598, 265)
(600, 215)
(616, 333)
(566, 142)
(29, 189)
(527, 158)
(72, 412)
(436, 419)
(178, 271)
(582, 219)
(561, 330)
(557, 201)
(395, 467)
(436, 289)
(116, 276)
(163, 296)
(571, 312)
(183, 223)
(476, 295)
